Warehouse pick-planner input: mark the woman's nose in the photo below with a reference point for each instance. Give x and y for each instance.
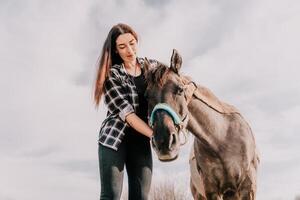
(130, 50)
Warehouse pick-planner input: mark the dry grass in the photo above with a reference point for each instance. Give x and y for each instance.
(165, 190)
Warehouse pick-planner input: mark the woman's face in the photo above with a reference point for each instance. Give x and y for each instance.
(126, 46)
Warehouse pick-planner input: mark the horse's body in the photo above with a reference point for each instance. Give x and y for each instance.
(225, 155)
(224, 158)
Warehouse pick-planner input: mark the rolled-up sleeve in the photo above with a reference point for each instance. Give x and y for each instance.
(115, 97)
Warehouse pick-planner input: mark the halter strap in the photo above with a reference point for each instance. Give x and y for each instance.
(165, 107)
(176, 119)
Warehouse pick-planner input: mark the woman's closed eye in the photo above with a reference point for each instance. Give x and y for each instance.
(121, 46)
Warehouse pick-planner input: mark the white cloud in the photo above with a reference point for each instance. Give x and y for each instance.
(245, 52)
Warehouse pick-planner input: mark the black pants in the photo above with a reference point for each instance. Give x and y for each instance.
(134, 153)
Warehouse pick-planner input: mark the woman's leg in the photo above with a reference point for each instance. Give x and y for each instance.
(139, 167)
(111, 165)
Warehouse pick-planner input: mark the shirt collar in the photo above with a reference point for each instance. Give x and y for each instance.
(139, 60)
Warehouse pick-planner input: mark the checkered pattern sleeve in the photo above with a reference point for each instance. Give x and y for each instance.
(116, 97)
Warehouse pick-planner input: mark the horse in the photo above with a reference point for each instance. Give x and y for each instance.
(224, 157)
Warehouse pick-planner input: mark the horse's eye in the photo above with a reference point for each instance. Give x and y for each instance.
(179, 90)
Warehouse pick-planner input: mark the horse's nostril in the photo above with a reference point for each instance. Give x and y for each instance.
(172, 141)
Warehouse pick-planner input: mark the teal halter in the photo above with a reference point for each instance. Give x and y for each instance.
(165, 107)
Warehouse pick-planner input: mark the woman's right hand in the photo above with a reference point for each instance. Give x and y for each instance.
(139, 125)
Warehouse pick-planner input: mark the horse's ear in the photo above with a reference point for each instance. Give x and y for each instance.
(176, 61)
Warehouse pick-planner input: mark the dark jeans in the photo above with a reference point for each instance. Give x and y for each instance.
(134, 153)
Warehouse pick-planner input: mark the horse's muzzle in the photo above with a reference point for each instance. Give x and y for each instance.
(167, 158)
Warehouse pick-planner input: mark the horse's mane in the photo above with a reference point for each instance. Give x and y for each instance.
(158, 75)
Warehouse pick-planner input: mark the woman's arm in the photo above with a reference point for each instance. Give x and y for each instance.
(138, 124)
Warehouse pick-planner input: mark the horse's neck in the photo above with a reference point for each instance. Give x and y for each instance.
(205, 123)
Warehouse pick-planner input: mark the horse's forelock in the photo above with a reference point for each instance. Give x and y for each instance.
(158, 74)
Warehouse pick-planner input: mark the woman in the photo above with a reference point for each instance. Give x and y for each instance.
(124, 134)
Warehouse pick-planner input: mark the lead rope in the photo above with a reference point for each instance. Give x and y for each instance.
(182, 126)
(183, 131)
(186, 136)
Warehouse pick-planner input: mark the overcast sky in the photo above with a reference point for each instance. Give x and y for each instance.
(246, 52)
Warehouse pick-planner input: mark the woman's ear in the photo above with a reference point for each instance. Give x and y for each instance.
(176, 61)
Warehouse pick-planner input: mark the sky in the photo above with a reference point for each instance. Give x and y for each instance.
(246, 52)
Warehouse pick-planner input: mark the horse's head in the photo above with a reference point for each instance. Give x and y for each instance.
(167, 98)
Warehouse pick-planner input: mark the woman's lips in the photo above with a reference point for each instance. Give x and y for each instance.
(130, 56)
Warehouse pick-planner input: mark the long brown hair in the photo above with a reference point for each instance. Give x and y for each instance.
(109, 57)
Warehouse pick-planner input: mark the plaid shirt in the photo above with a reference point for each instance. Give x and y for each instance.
(121, 99)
